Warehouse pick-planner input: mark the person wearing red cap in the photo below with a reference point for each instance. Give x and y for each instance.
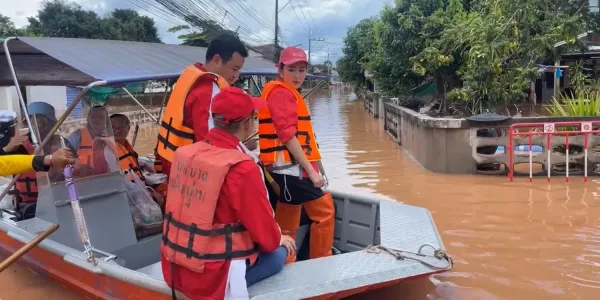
(219, 232)
(289, 149)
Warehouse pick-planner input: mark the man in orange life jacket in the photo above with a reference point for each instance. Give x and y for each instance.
(94, 155)
(219, 233)
(187, 116)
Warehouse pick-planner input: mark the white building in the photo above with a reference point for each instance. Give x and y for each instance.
(58, 96)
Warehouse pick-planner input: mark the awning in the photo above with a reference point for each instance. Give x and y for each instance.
(78, 62)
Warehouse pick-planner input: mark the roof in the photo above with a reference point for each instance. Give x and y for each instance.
(70, 61)
(267, 51)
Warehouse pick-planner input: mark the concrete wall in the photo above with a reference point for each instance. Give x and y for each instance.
(448, 145)
(439, 145)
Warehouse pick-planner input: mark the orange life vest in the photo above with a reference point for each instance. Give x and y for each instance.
(157, 164)
(128, 159)
(26, 186)
(271, 149)
(85, 153)
(172, 134)
(190, 236)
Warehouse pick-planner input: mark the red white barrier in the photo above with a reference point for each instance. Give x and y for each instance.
(549, 129)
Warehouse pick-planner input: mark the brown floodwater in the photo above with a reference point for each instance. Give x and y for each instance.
(515, 240)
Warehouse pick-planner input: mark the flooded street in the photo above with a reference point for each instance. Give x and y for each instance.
(515, 240)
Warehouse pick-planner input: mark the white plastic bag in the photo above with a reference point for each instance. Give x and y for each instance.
(145, 212)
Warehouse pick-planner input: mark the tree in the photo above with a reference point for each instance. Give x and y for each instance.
(483, 52)
(57, 18)
(60, 19)
(7, 27)
(127, 24)
(327, 65)
(358, 46)
(202, 33)
(499, 46)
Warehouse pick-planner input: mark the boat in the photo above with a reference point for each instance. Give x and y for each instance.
(378, 241)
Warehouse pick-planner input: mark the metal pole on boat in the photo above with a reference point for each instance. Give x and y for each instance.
(38, 239)
(34, 134)
(162, 105)
(135, 133)
(255, 84)
(54, 129)
(140, 104)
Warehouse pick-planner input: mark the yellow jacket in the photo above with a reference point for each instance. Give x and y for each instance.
(17, 164)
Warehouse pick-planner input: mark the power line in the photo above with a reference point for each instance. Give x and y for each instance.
(313, 20)
(201, 11)
(302, 11)
(298, 17)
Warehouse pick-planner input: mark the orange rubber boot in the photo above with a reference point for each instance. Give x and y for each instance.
(322, 213)
(288, 218)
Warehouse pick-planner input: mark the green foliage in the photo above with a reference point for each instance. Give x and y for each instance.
(485, 52)
(7, 28)
(585, 102)
(204, 31)
(358, 45)
(57, 18)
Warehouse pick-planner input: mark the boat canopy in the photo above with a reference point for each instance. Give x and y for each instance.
(79, 62)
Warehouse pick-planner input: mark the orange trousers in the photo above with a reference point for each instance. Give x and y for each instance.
(322, 214)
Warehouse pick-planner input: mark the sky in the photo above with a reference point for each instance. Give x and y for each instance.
(298, 19)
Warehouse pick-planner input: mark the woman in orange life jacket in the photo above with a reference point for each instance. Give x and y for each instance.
(128, 158)
(289, 149)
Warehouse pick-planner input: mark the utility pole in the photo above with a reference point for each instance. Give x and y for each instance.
(276, 46)
(310, 40)
(329, 65)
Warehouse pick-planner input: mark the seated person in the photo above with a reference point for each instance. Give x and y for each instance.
(96, 154)
(14, 144)
(43, 118)
(128, 159)
(217, 188)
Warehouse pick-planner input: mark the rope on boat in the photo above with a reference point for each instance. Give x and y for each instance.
(401, 255)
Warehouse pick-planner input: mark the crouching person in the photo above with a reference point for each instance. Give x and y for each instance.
(219, 234)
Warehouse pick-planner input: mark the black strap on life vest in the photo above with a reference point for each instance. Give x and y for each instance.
(170, 129)
(270, 120)
(28, 181)
(138, 171)
(227, 231)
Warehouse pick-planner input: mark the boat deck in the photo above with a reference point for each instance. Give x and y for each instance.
(402, 227)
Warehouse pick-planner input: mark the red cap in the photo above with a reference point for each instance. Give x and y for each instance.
(234, 104)
(292, 55)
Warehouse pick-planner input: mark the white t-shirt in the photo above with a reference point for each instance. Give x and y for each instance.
(215, 91)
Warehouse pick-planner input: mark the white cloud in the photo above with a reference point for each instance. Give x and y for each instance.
(326, 19)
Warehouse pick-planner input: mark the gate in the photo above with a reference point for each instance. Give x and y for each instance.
(552, 133)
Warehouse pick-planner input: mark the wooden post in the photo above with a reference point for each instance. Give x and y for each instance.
(556, 88)
(532, 100)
